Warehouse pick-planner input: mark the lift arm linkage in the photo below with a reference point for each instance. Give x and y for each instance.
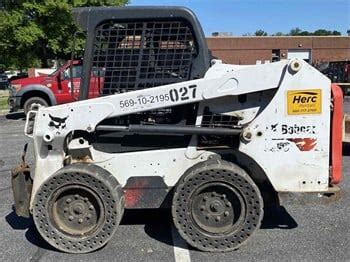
(220, 80)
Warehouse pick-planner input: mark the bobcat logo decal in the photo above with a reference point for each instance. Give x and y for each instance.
(57, 122)
(274, 127)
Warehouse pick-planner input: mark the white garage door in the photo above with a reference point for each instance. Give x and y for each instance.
(300, 53)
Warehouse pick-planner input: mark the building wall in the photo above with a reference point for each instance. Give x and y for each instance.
(248, 50)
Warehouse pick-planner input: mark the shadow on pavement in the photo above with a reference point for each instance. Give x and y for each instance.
(278, 217)
(157, 224)
(32, 235)
(158, 221)
(18, 223)
(146, 216)
(16, 116)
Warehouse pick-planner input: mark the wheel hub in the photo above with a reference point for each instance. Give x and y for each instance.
(81, 211)
(78, 209)
(216, 206)
(216, 212)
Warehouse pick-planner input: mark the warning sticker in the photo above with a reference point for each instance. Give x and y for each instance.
(300, 102)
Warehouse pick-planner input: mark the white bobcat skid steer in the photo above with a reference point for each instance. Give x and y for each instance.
(215, 143)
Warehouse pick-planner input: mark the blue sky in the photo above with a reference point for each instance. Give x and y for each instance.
(246, 16)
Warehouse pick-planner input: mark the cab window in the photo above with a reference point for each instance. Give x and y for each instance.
(76, 72)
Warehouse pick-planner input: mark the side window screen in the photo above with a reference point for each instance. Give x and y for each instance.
(139, 55)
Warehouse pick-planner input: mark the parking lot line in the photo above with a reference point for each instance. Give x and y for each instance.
(181, 252)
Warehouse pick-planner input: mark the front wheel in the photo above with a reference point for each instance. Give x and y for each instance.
(78, 209)
(33, 100)
(216, 206)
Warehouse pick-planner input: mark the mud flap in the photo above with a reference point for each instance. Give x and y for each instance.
(22, 185)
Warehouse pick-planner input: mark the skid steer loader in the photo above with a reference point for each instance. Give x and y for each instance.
(173, 128)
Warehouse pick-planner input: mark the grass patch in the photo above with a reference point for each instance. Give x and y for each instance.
(4, 94)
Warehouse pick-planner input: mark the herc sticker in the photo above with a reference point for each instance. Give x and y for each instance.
(302, 102)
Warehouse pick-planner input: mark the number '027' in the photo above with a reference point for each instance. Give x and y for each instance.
(183, 93)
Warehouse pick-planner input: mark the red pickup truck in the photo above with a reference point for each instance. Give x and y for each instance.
(54, 89)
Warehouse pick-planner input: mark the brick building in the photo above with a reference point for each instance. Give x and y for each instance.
(253, 50)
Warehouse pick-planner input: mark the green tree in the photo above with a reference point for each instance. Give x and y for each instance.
(279, 34)
(320, 32)
(295, 31)
(32, 32)
(260, 33)
(324, 32)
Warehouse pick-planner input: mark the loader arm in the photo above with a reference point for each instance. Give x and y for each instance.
(221, 80)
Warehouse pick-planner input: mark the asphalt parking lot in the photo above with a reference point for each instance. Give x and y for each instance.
(294, 232)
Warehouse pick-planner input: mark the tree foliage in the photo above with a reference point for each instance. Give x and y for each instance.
(297, 32)
(278, 34)
(32, 32)
(320, 32)
(260, 32)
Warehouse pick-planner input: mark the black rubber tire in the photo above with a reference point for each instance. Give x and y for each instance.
(33, 100)
(184, 206)
(90, 178)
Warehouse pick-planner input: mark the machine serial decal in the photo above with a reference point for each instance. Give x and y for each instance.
(174, 95)
(57, 122)
(302, 102)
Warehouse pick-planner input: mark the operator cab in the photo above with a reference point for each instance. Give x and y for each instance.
(138, 48)
(142, 47)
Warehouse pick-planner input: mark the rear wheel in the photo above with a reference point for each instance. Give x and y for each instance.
(33, 100)
(217, 206)
(78, 209)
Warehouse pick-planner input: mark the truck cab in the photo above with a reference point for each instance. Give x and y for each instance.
(60, 87)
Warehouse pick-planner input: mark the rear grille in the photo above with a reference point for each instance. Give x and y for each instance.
(138, 55)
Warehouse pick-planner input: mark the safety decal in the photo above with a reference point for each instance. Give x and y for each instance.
(284, 145)
(281, 145)
(302, 102)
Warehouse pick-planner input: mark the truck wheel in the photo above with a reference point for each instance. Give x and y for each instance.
(78, 209)
(33, 100)
(216, 206)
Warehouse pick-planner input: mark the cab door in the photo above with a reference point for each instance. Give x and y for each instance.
(70, 84)
(74, 81)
